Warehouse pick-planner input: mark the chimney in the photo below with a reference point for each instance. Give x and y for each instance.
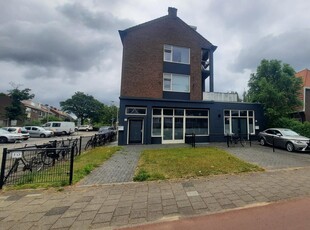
(172, 12)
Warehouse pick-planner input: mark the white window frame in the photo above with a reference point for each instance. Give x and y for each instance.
(171, 49)
(248, 117)
(184, 116)
(170, 76)
(136, 108)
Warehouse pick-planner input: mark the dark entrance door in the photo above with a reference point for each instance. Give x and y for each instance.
(239, 126)
(135, 131)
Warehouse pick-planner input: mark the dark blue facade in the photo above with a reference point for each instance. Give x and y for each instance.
(216, 129)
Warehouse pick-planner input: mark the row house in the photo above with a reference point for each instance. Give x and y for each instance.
(37, 111)
(167, 88)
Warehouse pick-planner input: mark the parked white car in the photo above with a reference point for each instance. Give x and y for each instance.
(6, 136)
(85, 128)
(18, 130)
(60, 127)
(37, 131)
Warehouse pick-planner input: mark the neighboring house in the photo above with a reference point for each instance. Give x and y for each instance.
(166, 67)
(60, 114)
(303, 114)
(37, 111)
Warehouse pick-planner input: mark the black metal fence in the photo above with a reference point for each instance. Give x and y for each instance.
(51, 162)
(34, 165)
(190, 138)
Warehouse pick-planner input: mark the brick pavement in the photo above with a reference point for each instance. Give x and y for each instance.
(116, 205)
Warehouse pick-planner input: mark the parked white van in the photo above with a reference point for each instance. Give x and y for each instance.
(60, 127)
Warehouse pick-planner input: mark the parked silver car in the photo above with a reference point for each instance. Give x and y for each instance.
(18, 130)
(6, 136)
(37, 131)
(284, 138)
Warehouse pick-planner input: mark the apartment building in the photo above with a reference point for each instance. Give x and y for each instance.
(167, 88)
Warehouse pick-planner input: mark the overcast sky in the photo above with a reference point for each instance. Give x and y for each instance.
(59, 47)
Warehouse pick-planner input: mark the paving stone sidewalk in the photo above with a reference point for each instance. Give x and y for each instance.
(116, 205)
(96, 203)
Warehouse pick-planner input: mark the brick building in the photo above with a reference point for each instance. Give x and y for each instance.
(303, 113)
(167, 66)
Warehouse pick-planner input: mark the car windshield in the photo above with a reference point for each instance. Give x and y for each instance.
(288, 132)
(4, 131)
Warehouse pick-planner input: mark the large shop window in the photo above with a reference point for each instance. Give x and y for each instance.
(195, 121)
(241, 120)
(176, 82)
(176, 54)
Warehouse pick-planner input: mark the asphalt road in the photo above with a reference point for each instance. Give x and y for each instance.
(38, 140)
(293, 214)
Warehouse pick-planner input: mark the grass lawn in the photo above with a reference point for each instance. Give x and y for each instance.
(83, 165)
(188, 163)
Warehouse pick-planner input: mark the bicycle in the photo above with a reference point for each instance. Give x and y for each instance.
(72, 144)
(92, 142)
(235, 138)
(48, 153)
(28, 163)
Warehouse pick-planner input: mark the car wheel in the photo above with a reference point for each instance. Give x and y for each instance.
(42, 135)
(64, 133)
(86, 130)
(289, 147)
(3, 140)
(262, 141)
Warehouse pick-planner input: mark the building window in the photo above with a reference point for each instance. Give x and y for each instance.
(239, 121)
(156, 126)
(176, 54)
(135, 111)
(172, 124)
(197, 121)
(176, 82)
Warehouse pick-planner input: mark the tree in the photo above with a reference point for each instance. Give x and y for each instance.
(16, 111)
(83, 106)
(110, 115)
(276, 87)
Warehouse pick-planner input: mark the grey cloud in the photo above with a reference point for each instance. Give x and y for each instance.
(290, 47)
(240, 15)
(103, 20)
(47, 45)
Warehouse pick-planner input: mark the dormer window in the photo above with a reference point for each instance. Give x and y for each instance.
(176, 54)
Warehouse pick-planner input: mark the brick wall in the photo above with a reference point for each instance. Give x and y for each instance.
(142, 70)
(307, 104)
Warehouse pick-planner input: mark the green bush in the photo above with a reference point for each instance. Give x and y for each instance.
(301, 128)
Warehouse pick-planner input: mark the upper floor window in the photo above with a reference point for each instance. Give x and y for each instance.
(176, 82)
(176, 54)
